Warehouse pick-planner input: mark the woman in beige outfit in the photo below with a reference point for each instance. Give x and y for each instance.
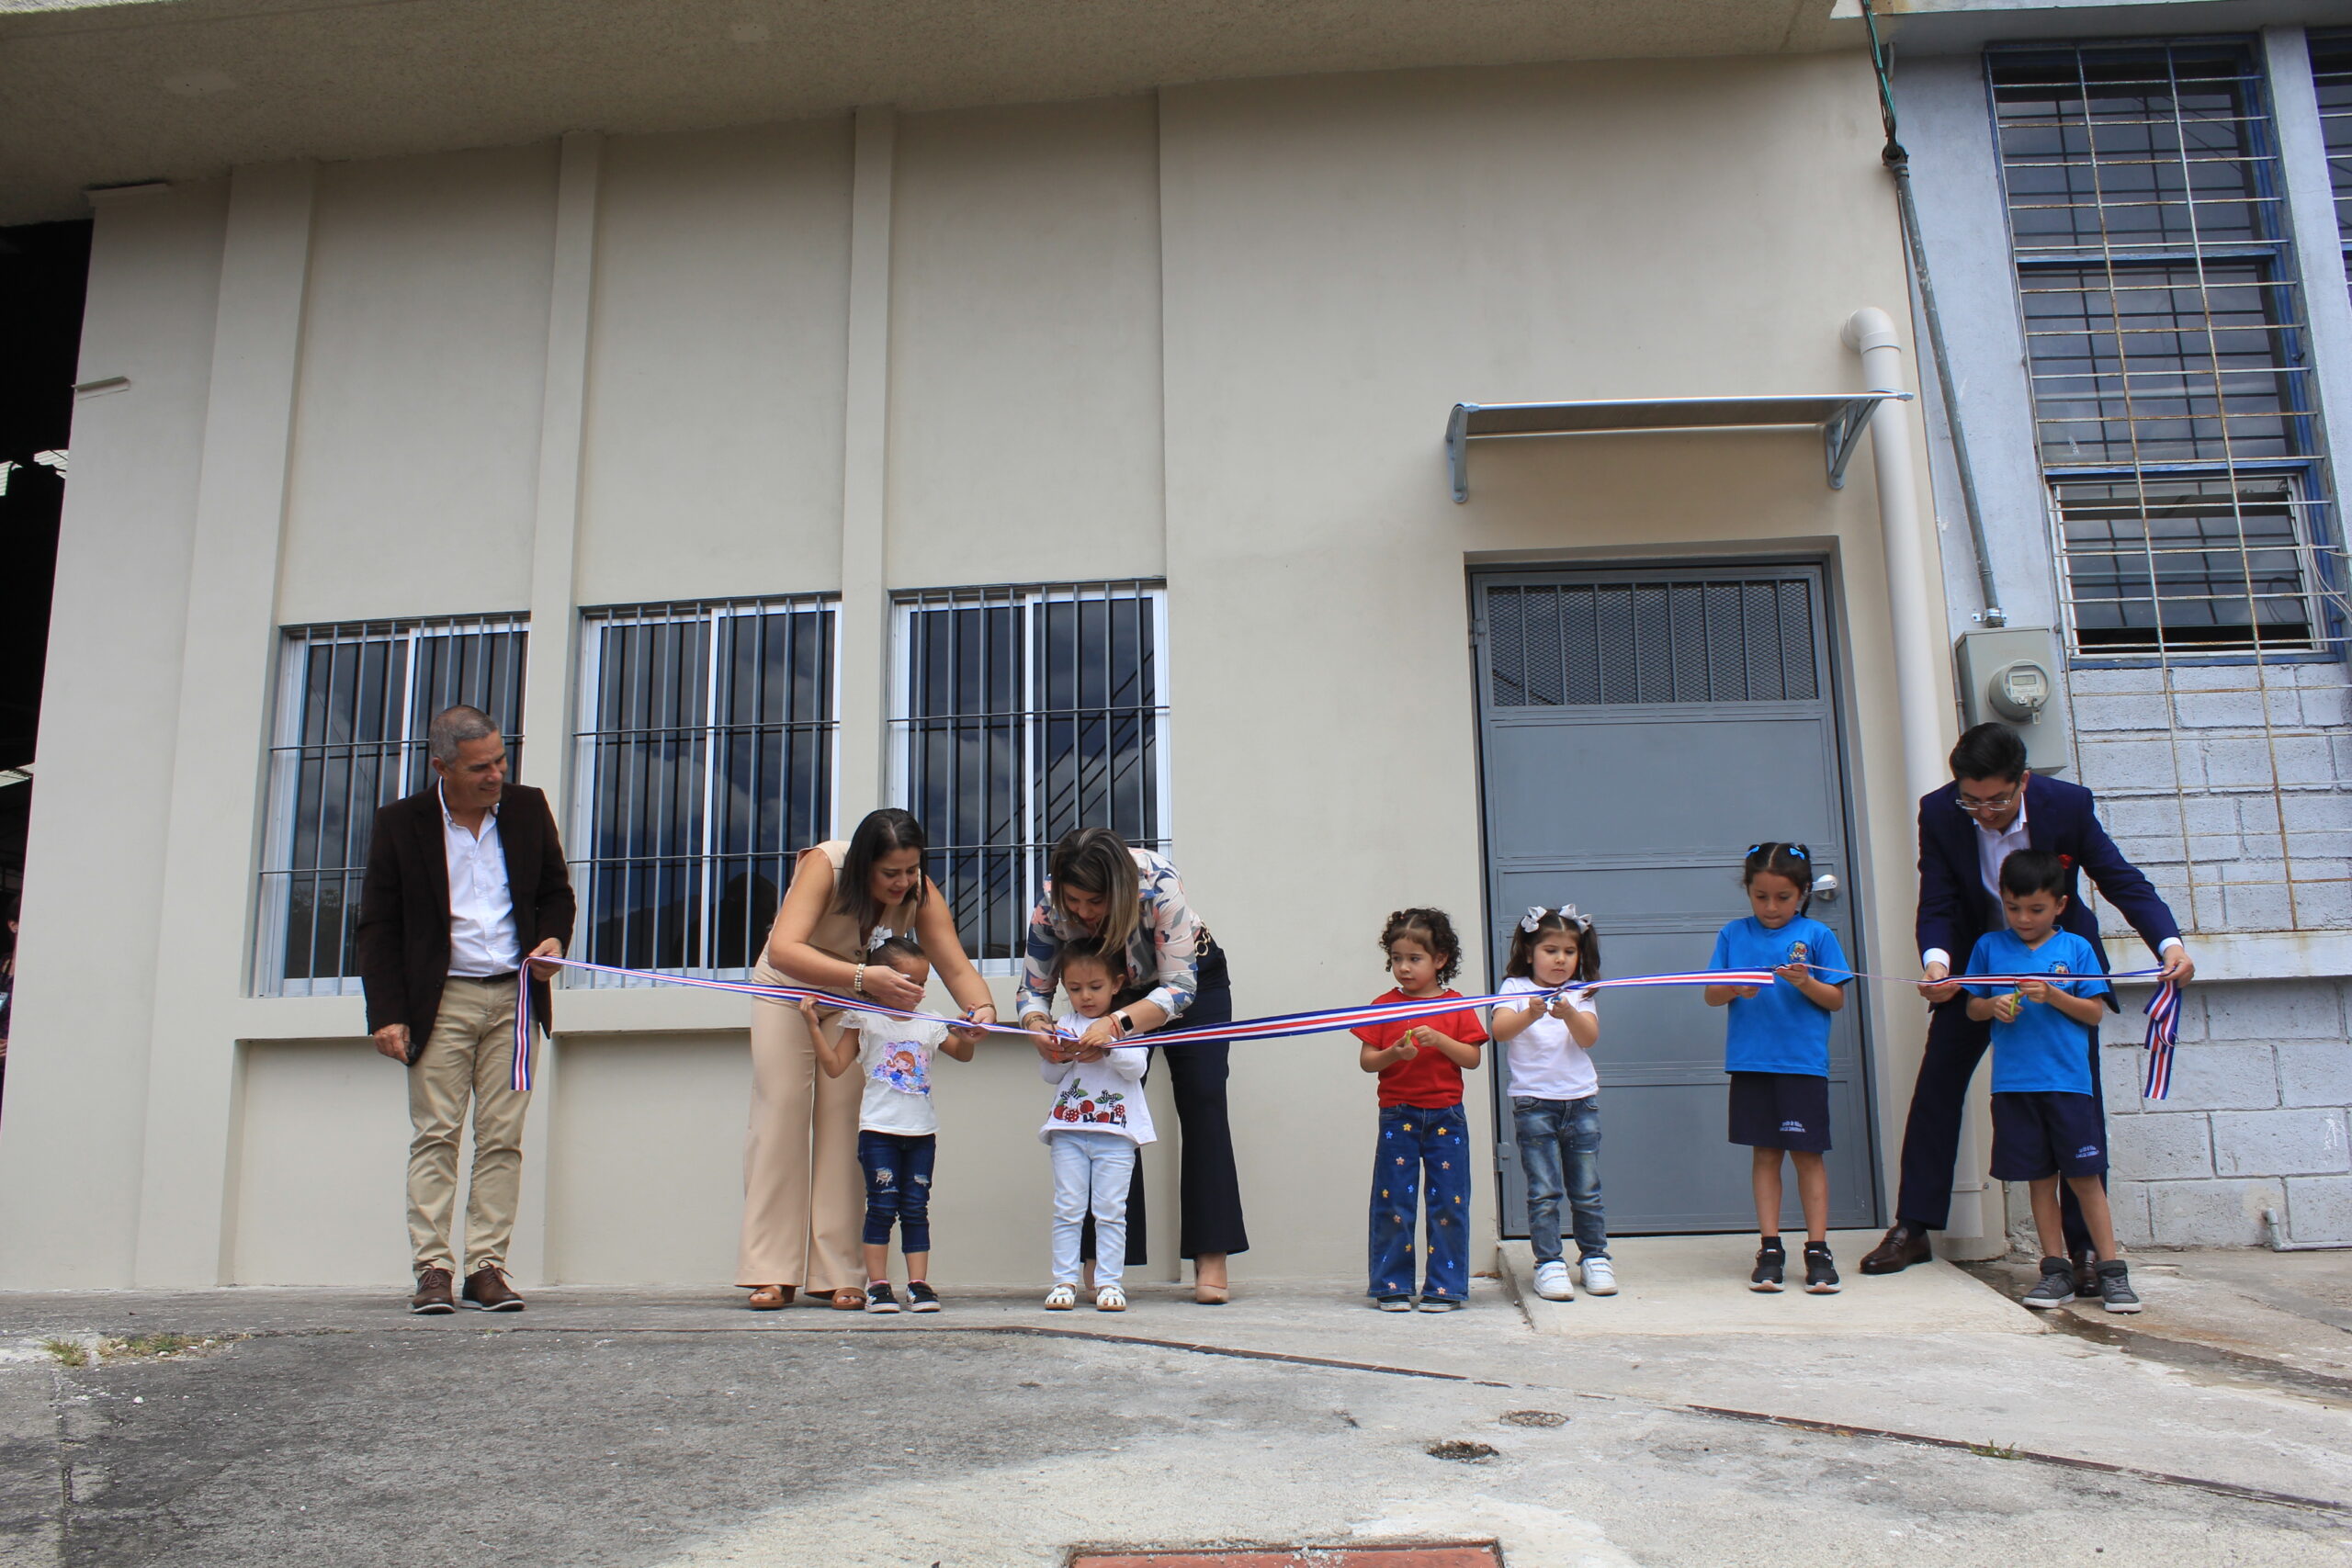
(803, 1194)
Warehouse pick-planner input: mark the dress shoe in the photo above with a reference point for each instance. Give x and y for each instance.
(1905, 1244)
(486, 1291)
(433, 1291)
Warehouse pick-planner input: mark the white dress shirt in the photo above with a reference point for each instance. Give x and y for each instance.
(1992, 849)
(481, 907)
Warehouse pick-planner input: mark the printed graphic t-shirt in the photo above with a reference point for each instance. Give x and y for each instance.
(1428, 1078)
(2043, 1049)
(894, 1058)
(1777, 1030)
(1545, 1063)
(1097, 1097)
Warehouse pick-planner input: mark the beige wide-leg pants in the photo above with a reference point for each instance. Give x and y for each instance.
(470, 1054)
(804, 1197)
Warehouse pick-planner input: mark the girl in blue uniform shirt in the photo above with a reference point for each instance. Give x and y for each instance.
(1776, 1048)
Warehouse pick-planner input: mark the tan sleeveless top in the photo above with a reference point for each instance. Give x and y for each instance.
(836, 929)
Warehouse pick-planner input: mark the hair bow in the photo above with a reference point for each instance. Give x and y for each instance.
(1537, 913)
(881, 934)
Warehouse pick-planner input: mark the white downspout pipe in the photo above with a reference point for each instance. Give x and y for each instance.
(1978, 1227)
(1910, 587)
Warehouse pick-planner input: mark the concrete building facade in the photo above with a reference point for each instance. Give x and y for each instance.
(753, 463)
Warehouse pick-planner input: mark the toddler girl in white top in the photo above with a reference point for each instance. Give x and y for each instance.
(898, 1129)
(1098, 1119)
(1555, 1094)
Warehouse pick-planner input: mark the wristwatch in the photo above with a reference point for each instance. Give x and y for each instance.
(1127, 1025)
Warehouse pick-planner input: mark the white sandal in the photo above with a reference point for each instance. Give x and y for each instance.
(1061, 1298)
(1110, 1298)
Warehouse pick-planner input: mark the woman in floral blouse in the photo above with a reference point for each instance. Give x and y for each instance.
(1098, 887)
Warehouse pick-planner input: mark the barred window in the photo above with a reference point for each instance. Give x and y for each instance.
(2172, 384)
(2331, 75)
(1020, 713)
(352, 704)
(704, 764)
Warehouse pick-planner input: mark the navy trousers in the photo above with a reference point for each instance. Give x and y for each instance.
(1956, 1042)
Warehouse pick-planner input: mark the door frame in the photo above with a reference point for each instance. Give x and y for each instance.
(1834, 646)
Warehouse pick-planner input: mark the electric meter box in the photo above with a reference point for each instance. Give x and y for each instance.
(2009, 675)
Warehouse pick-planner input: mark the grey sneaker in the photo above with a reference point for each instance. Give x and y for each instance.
(2057, 1287)
(2115, 1292)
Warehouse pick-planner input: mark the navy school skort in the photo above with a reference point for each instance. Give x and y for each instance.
(2045, 1132)
(1781, 1111)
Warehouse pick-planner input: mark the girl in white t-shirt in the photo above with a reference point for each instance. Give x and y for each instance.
(1555, 1094)
(898, 1129)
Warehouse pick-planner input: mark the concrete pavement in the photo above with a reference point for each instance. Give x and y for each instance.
(671, 1428)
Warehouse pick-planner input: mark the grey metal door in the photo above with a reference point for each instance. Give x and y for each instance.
(1638, 730)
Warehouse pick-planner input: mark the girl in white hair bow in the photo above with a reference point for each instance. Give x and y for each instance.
(1555, 1093)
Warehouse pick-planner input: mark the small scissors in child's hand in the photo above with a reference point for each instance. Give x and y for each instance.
(1792, 973)
(2007, 1008)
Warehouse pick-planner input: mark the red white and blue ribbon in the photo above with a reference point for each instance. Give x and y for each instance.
(2163, 1009)
(1281, 1026)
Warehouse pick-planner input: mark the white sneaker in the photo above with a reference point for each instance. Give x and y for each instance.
(1600, 1277)
(1061, 1298)
(1552, 1281)
(1110, 1298)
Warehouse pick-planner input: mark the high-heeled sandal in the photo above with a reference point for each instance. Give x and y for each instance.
(770, 1298)
(1211, 1295)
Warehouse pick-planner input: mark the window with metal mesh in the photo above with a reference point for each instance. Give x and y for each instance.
(2165, 344)
(704, 764)
(352, 704)
(1678, 640)
(1021, 714)
(2331, 75)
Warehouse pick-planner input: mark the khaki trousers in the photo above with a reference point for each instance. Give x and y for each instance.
(804, 1197)
(469, 1053)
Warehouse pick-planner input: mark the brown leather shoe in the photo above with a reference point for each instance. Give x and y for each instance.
(486, 1291)
(1906, 1244)
(433, 1291)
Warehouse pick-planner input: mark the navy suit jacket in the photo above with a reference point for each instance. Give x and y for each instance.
(1955, 908)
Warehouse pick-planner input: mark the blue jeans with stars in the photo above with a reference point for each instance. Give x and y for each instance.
(1414, 1139)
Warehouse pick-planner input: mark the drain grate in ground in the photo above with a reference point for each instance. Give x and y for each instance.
(1435, 1554)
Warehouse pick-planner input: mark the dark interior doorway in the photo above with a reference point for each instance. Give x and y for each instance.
(44, 268)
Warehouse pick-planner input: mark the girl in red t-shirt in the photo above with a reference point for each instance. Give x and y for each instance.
(1421, 1124)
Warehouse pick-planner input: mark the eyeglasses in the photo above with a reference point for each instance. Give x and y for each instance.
(1994, 802)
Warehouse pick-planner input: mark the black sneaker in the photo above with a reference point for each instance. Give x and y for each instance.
(878, 1297)
(1770, 1259)
(2115, 1292)
(2057, 1287)
(1820, 1269)
(920, 1297)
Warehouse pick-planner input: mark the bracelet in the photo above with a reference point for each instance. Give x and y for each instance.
(857, 979)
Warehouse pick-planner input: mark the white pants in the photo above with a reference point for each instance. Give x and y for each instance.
(1095, 1165)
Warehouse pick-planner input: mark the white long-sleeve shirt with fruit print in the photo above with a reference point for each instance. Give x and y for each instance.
(1097, 1097)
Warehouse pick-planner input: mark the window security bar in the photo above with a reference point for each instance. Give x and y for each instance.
(704, 763)
(352, 704)
(1017, 714)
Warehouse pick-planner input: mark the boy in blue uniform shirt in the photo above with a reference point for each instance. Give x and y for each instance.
(2046, 1116)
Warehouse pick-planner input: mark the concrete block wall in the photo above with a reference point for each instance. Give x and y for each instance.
(2257, 1120)
(2230, 785)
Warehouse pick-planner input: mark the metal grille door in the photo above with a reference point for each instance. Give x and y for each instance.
(1638, 732)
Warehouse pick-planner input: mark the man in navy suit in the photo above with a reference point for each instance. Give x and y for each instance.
(1995, 805)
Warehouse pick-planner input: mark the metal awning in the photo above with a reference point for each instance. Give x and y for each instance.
(1840, 416)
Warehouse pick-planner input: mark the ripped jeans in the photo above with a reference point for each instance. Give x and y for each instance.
(898, 1187)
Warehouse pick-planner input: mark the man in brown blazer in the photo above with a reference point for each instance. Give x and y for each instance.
(466, 883)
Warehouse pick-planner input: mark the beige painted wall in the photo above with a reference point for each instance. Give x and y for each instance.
(416, 424)
(1214, 334)
(713, 449)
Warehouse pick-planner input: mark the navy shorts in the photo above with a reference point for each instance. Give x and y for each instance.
(1781, 1111)
(2047, 1132)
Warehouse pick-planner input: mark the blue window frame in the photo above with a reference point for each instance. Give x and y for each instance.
(2172, 385)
